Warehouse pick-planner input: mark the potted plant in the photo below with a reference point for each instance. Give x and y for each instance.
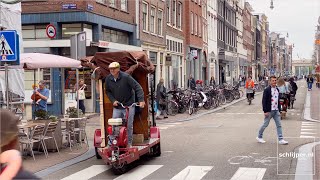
(73, 112)
(43, 117)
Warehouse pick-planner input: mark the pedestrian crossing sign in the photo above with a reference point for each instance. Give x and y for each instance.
(9, 47)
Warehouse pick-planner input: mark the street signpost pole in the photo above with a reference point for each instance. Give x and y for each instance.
(7, 83)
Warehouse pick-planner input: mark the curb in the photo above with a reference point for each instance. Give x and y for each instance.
(304, 169)
(87, 155)
(209, 111)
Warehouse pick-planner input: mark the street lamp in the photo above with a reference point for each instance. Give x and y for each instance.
(271, 5)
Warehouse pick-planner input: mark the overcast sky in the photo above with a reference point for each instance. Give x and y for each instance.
(298, 17)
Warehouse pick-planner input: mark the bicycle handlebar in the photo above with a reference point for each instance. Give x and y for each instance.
(132, 105)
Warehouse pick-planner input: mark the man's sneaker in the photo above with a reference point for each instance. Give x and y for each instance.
(260, 140)
(283, 142)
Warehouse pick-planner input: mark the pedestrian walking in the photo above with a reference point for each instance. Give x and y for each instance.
(271, 109)
(161, 99)
(309, 82)
(81, 95)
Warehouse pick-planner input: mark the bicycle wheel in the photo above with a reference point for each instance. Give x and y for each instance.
(191, 107)
(172, 108)
(207, 105)
(222, 100)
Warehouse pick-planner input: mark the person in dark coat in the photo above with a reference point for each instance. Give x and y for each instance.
(271, 109)
(212, 81)
(191, 83)
(310, 82)
(161, 99)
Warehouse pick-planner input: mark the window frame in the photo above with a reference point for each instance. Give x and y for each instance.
(145, 24)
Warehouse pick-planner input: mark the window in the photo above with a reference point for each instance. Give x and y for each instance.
(152, 19)
(196, 24)
(70, 29)
(34, 32)
(174, 6)
(191, 17)
(124, 5)
(168, 43)
(168, 11)
(145, 16)
(115, 36)
(200, 26)
(112, 3)
(179, 15)
(160, 16)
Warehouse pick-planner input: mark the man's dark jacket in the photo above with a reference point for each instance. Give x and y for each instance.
(266, 100)
(124, 89)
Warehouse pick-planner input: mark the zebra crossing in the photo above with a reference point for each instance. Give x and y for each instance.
(292, 113)
(308, 129)
(188, 173)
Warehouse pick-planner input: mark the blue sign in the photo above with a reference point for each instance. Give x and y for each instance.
(69, 6)
(90, 7)
(9, 44)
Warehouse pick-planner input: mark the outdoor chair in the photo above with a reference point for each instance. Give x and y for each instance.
(82, 130)
(49, 133)
(70, 132)
(35, 136)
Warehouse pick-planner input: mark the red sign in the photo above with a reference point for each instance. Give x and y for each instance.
(51, 31)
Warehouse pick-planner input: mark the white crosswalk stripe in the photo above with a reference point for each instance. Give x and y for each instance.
(249, 174)
(139, 172)
(308, 129)
(192, 173)
(88, 172)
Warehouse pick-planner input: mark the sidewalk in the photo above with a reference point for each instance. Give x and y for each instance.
(54, 158)
(315, 114)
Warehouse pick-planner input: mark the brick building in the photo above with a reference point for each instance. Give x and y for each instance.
(110, 25)
(152, 32)
(196, 39)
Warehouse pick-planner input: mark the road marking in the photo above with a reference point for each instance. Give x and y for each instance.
(304, 122)
(308, 133)
(192, 173)
(308, 129)
(306, 136)
(88, 172)
(177, 123)
(298, 114)
(249, 174)
(139, 172)
(162, 127)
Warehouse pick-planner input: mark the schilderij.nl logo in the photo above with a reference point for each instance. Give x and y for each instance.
(295, 155)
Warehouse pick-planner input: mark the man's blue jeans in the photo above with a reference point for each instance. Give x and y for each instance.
(309, 85)
(121, 113)
(275, 114)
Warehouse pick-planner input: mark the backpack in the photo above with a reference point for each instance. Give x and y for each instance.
(294, 86)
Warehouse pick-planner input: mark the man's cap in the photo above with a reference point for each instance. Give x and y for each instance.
(114, 65)
(8, 127)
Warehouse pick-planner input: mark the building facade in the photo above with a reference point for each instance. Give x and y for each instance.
(213, 40)
(109, 26)
(248, 40)
(227, 39)
(174, 65)
(241, 61)
(196, 39)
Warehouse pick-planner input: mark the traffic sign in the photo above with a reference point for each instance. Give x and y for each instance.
(9, 44)
(51, 31)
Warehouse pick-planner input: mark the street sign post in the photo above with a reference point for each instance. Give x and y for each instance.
(51, 31)
(9, 44)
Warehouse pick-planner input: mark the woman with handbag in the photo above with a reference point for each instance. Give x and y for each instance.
(81, 95)
(161, 99)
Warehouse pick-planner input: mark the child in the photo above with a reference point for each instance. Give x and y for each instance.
(34, 96)
(10, 159)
